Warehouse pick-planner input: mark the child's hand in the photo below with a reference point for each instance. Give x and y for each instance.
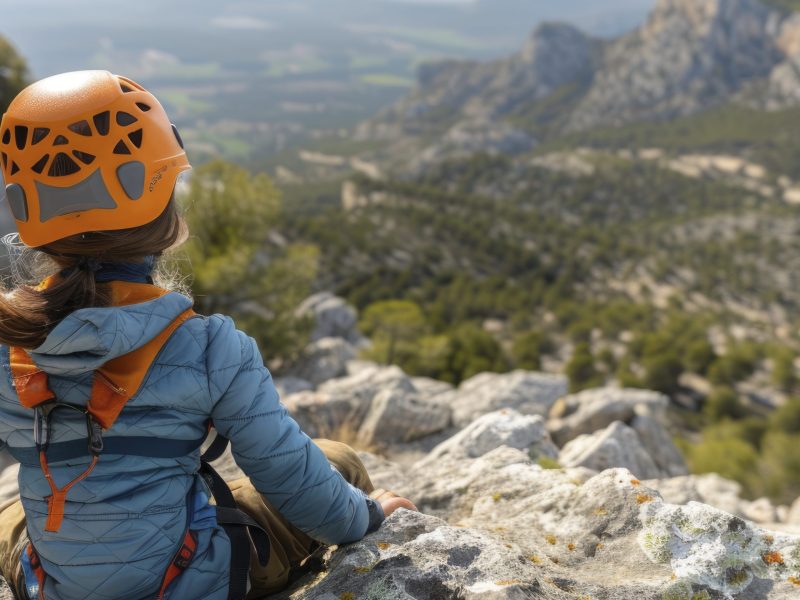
(390, 501)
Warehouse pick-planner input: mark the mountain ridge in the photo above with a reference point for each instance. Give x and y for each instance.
(690, 56)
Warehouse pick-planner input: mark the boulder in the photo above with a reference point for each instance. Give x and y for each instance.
(287, 386)
(364, 380)
(659, 445)
(395, 416)
(793, 518)
(325, 415)
(616, 446)
(427, 387)
(527, 392)
(720, 552)
(384, 473)
(592, 410)
(709, 488)
(332, 316)
(5, 590)
(761, 511)
(9, 468)
(375, 404)
(505, 427)
(324, 359)
(574, 525)
(416, 556)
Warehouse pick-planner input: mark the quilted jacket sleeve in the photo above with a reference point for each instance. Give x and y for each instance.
(282, 462)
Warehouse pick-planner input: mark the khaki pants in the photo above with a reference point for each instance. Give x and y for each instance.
(289, 546)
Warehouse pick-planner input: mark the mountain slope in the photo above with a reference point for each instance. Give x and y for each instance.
(690, 56)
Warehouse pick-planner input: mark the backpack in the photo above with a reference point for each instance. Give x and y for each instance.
(113, 385)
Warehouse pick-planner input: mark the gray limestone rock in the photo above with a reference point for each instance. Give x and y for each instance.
(324, 359)
(397, 416)
(524, 391)
(332, 316)
(659, 445)
(592, 410)
(616, 446)
(711, 489)
(505, 427)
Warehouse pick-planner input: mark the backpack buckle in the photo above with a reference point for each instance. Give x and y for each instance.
(94, 433)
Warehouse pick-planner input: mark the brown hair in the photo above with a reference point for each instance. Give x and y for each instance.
(28, 314)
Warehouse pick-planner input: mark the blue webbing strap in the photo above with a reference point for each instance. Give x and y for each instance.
(134, 446)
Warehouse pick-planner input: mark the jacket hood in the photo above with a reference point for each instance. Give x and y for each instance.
(90, 337)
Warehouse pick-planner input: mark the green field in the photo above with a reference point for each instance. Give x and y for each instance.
(387, 80)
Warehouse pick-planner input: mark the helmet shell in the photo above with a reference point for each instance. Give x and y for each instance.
(87, 151)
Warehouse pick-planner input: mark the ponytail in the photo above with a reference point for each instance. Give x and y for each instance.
(28, 314)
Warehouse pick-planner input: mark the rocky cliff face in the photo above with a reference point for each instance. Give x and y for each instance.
(690, 55)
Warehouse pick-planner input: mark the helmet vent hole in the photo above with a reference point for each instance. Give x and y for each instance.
(7, 136)
(60, 141)
(102, 122)
(121, 148)
(143, 107)
(41, 164)
(136, 138)
(129, 86)
(81, 128)
(124, 119)
(177, 136)
(14, 168)
(39, 134)
(84, 157)
(21, 136)
(62, 166)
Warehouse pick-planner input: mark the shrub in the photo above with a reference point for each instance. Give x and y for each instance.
(581, 370)
(786, 418)
(738, 364)
(699, 356)
(662, 372)
(235, 269)
(723, 403)
(527, 350)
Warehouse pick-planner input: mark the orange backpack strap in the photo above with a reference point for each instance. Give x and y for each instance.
(118, 380)
(29, 380)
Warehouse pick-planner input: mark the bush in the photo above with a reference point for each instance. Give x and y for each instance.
(723, 451)
(392, 324)
(233, 267)
(471, 350)
(581, 370)
(723, 403)
(783, 373)
(13, 74)
(786, 418)
(699, 356)
(527, 350)
(662, 372)
(779, 466)
(738, 364)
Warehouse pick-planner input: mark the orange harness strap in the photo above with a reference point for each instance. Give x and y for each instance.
(113, 385)
(180, 562)
(57, 500)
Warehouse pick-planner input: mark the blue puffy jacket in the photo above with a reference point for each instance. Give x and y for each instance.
(125, 521)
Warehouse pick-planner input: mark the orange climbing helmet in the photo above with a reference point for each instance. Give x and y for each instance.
(87, 151)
